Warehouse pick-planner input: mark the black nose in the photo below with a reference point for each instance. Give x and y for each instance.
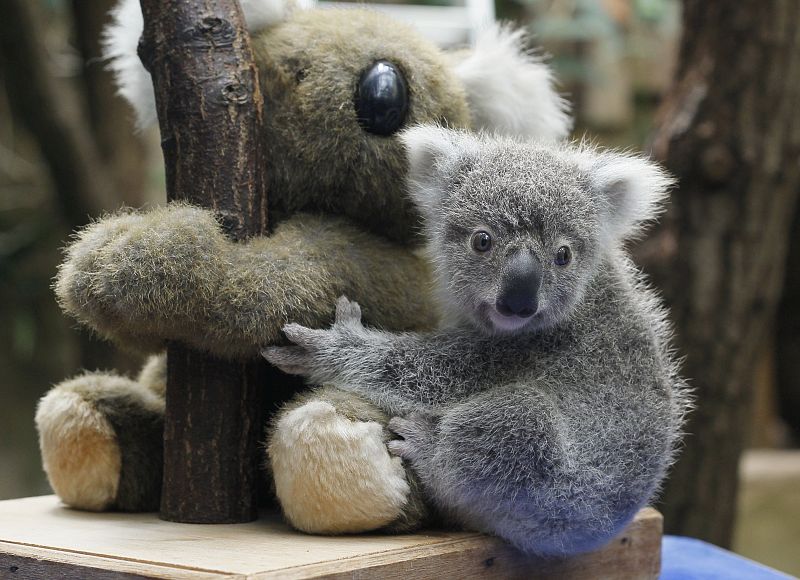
(519, 287)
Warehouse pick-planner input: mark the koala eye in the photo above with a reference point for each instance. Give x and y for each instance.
(381, 99)
(563, 256)
(481, 241)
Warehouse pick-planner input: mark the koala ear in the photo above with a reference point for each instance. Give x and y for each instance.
(120, 41)
(434, 155)
(633, 191)
(509, 90)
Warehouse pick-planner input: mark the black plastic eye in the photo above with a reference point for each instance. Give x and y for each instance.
(481, 241)
(381, 99)
(563, 256)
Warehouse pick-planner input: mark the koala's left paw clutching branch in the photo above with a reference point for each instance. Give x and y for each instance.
(322, 355)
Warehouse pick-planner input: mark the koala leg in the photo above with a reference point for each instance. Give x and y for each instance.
(101, 439)
(332, 471)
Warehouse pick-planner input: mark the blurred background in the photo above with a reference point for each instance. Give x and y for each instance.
(708, 93)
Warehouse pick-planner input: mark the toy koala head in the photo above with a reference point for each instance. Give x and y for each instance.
(340, 84)
(516, 231)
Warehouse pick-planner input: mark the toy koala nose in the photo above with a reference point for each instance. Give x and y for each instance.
(519, 288)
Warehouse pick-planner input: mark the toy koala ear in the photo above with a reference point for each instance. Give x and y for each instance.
(121, 39)
(435, 154)
(633, 190)
(509, 90)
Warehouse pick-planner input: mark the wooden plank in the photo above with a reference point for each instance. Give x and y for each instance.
(39, 536)
(21, 562)
(634, 554)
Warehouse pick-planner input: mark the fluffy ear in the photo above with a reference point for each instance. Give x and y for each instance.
(633, 191)
(510, 91)
(434, 154)
(121, 39)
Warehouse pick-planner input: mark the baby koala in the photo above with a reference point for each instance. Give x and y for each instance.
(547, 407)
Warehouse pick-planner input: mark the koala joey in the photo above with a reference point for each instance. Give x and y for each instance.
(547, 408)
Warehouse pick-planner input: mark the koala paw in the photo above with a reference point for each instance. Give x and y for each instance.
(334, 475)
(417, 432)
(347, 313)
(317, 353)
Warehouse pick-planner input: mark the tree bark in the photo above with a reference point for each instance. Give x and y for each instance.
(787, 339)
(210, 113)
(730, 131)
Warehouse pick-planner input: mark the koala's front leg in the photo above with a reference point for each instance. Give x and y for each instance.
(346, 355)
(143, 279)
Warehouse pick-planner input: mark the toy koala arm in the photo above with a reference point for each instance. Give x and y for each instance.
(142, 279)
(398, 372)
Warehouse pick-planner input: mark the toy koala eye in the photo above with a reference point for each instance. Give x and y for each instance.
(381, 99)
(481, 241)
(563, 256)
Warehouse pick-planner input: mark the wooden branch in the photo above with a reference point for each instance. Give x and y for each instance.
(210, 112)
(52, 114)
(730, 131)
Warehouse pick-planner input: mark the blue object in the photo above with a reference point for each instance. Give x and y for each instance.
(690, 559)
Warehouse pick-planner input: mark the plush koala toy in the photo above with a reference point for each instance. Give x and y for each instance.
(547, 407)
(338, 85)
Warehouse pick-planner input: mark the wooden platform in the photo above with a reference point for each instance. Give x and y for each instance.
(39, 538)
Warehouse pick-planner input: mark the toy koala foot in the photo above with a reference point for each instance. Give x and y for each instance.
(79, 450)
(334, 474)
(100, 437)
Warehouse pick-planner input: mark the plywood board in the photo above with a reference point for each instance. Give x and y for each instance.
(40, 538)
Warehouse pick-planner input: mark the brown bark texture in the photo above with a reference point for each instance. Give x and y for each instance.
(210, 112)
(787, 339)
(729, 129)
(53, 115)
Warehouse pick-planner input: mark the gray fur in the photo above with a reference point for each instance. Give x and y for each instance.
(551, 434)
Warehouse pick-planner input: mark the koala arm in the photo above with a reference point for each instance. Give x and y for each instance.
(398, 372)
(142, 279)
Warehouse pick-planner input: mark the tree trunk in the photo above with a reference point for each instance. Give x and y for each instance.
(210, 112)
(730, 131)
(787, 339)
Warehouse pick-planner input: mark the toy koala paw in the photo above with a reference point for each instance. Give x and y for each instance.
(417, 432)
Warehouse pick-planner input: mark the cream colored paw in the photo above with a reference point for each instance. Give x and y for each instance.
(79, 450)
(333, 475)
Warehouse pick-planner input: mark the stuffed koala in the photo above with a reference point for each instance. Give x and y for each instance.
(547, 407)
(338, 86)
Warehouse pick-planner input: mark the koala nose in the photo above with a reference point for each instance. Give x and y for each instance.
(519, 287)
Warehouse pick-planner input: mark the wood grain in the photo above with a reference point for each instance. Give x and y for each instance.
(39, 536)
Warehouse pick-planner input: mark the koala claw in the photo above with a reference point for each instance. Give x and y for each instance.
(304, 337)
(402, 449)
(293, 360)
(417, 432)
(347, 312)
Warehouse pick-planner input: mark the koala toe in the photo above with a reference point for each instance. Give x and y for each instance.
(334, 475)
(80, 452)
